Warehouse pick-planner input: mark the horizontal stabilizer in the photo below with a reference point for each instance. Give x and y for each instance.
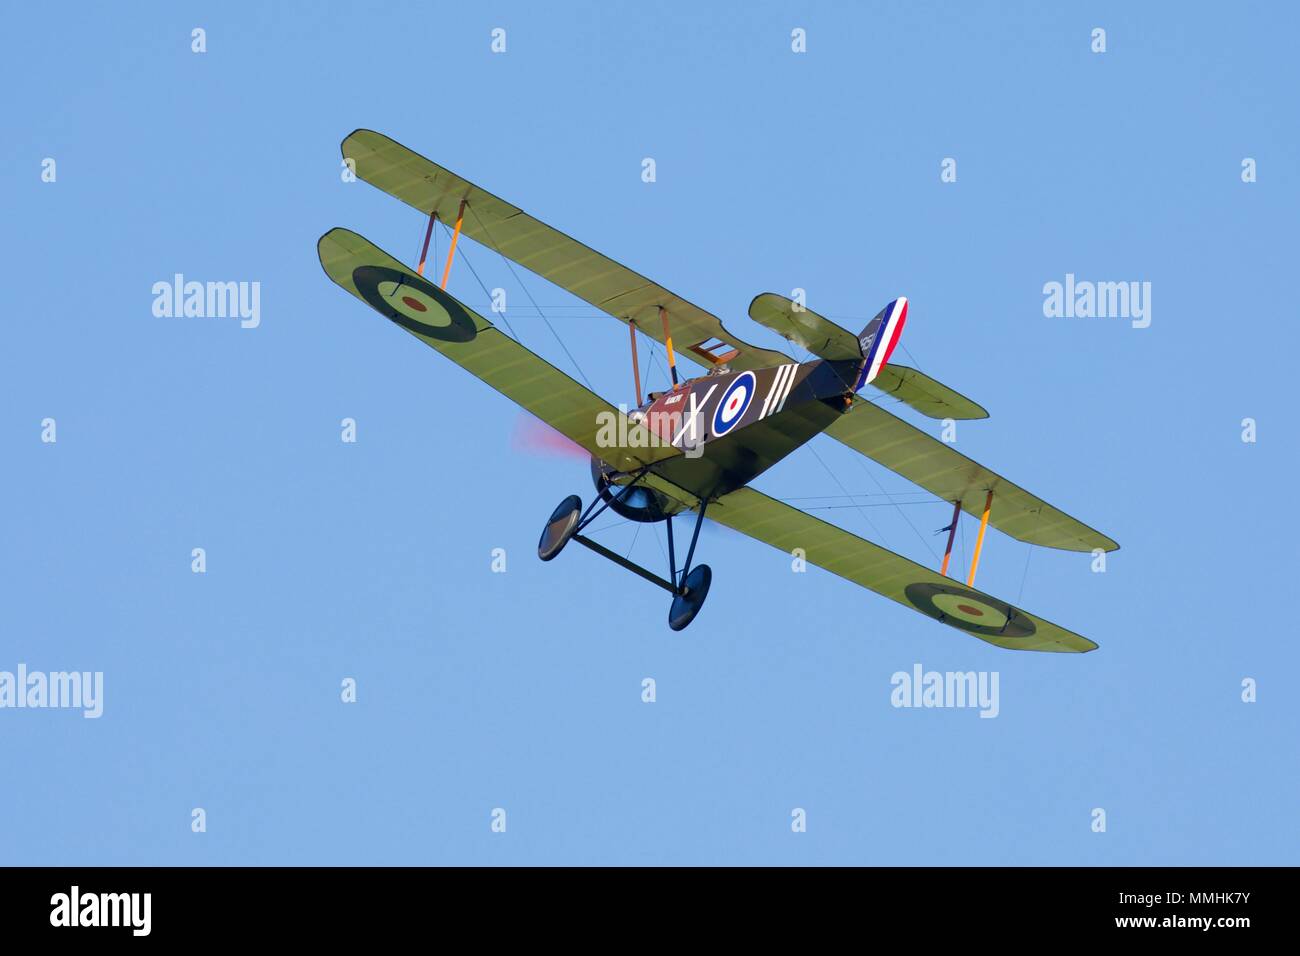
(919, 391)
(804, 328)
(825, 339)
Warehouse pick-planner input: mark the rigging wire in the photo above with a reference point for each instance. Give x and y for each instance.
(644, 372)
(511, 266)
(929, 499)
(606, 527)
(914, 528)
(653, 363)
(879, 400)
(1028, 555)
(1021, 593)
(836, 479)
(909, 355)
(662, 552)
(871, 504)
(488, 295)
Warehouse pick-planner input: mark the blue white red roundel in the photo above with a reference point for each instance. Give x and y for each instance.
(735, 400)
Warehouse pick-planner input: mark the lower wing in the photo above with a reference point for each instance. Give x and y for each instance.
(889, 575)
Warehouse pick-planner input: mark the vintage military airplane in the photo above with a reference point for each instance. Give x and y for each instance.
(698, 445)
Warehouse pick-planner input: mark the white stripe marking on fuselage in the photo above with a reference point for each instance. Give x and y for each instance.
(789, 384)
(772, 392)
(694, 413)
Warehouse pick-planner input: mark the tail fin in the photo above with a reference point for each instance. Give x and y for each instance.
(878, 339)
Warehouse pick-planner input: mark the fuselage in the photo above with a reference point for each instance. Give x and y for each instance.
(733, 426)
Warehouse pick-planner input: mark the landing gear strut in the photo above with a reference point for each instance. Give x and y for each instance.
(693, 585)
(689, 588)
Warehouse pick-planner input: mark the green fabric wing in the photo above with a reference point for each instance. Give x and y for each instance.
(556, 257)
(942, 470)
(891, 575)
(472, 342)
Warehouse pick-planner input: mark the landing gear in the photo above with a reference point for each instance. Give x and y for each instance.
(687, 604)
(562, 526)
(693, 586)
(689, 589)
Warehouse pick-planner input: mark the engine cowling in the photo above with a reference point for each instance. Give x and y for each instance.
(639, 504)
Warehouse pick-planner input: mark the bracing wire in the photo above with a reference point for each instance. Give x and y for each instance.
(511, 266)
(870, 504)
(1029, 554)
(914, 528)
(836, 479)
(1025, 574)
(513, 334)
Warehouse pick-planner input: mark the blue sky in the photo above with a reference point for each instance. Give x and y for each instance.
(522, 690)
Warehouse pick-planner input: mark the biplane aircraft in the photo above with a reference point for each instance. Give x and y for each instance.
(696, 446)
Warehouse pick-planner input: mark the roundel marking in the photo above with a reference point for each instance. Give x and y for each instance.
(413, 303)
(969, 611)
(734, 403)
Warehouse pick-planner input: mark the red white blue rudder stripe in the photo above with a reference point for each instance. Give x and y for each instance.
(879, 338)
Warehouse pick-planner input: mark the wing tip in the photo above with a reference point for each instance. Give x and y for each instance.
(763, 296)
(331, 235)
(361, 131)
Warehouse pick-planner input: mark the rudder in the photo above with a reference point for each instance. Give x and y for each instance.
(878, 340)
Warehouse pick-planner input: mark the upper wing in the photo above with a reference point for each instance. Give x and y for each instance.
(945, 472)
(471, 341)
(551, 254)
(827, 340)
(891, 575)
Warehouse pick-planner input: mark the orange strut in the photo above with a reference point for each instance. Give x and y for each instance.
(668, 341)
(952, 533)
(979, 541)
(451, 253)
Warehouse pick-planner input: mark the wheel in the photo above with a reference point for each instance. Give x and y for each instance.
(561, 526)
(687, 605)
